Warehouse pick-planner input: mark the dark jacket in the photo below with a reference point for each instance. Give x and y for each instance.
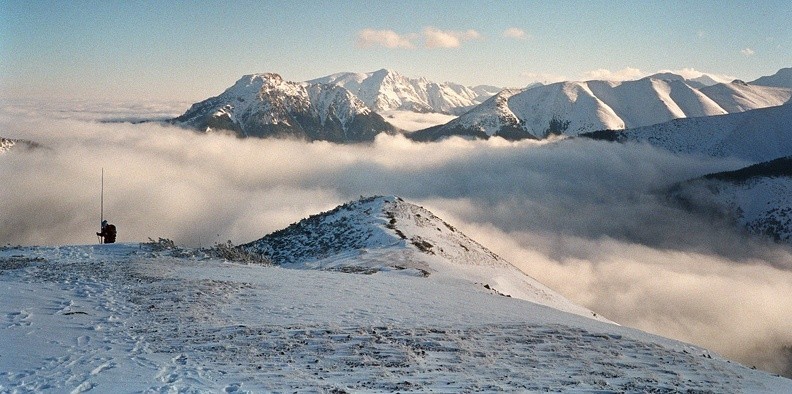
(108, 233)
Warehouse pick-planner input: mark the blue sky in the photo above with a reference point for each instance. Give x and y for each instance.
(190, 50)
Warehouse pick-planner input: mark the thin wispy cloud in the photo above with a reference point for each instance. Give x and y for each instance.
(368, 38)
(747, 52)
(515, 33)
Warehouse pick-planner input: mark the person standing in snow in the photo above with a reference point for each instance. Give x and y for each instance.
(108, 232)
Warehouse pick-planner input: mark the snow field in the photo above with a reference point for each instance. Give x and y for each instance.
(126, 318)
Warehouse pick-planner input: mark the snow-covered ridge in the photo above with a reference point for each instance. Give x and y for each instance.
(573, 108)
(781, 79)
(264, 105)
(135, 318)
(386, 233)
(386, 90)
(757, 136)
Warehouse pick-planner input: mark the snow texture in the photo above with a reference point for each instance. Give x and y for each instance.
(386, 90)
(387, 233)
(126, 318)
(758, 198)
(264, 105)
(755, 136)
(599, 105)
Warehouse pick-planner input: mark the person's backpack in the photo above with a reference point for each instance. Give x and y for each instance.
(110, 232)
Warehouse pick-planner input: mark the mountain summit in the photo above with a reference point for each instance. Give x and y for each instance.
(389, 234)
(385, 90)
(264, 105)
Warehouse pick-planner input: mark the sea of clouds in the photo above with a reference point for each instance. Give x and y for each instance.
(590, 219)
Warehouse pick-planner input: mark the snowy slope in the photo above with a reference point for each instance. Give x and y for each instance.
(739, 96)
(581, 107)
(128, 318)
(756, 136)
(781, 79)
(264, 105)
(386, 90)
(387, 233)
(758, 197)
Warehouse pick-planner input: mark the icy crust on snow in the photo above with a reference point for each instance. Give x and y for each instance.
(129, 318)
(756, 136)
(262, 105)
(386, 233)
(607, 105)
(387, 90)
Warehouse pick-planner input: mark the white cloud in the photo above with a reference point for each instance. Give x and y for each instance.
(625, 74)
(368, 38)
(436, 38)
(747, 52)
(516, 33)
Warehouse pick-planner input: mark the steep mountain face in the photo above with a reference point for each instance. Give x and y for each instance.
(758, 197)
(385, 90)
(573, 108)
(264, 105)
(781, 79)
(386, 233)
(757, 136)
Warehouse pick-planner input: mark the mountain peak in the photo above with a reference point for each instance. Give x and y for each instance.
(386, 89)
(666, 76)
(388, 234)
(264, 105)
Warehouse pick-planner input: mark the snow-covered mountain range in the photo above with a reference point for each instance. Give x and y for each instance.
(385, 90)
(264, 105)
(387, 233)
(757, 136)
(573, 108)
(758, 197)
(377, 295)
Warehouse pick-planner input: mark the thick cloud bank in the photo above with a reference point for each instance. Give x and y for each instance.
(589, 219)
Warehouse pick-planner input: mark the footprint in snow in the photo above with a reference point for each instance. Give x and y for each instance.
(17, 319)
